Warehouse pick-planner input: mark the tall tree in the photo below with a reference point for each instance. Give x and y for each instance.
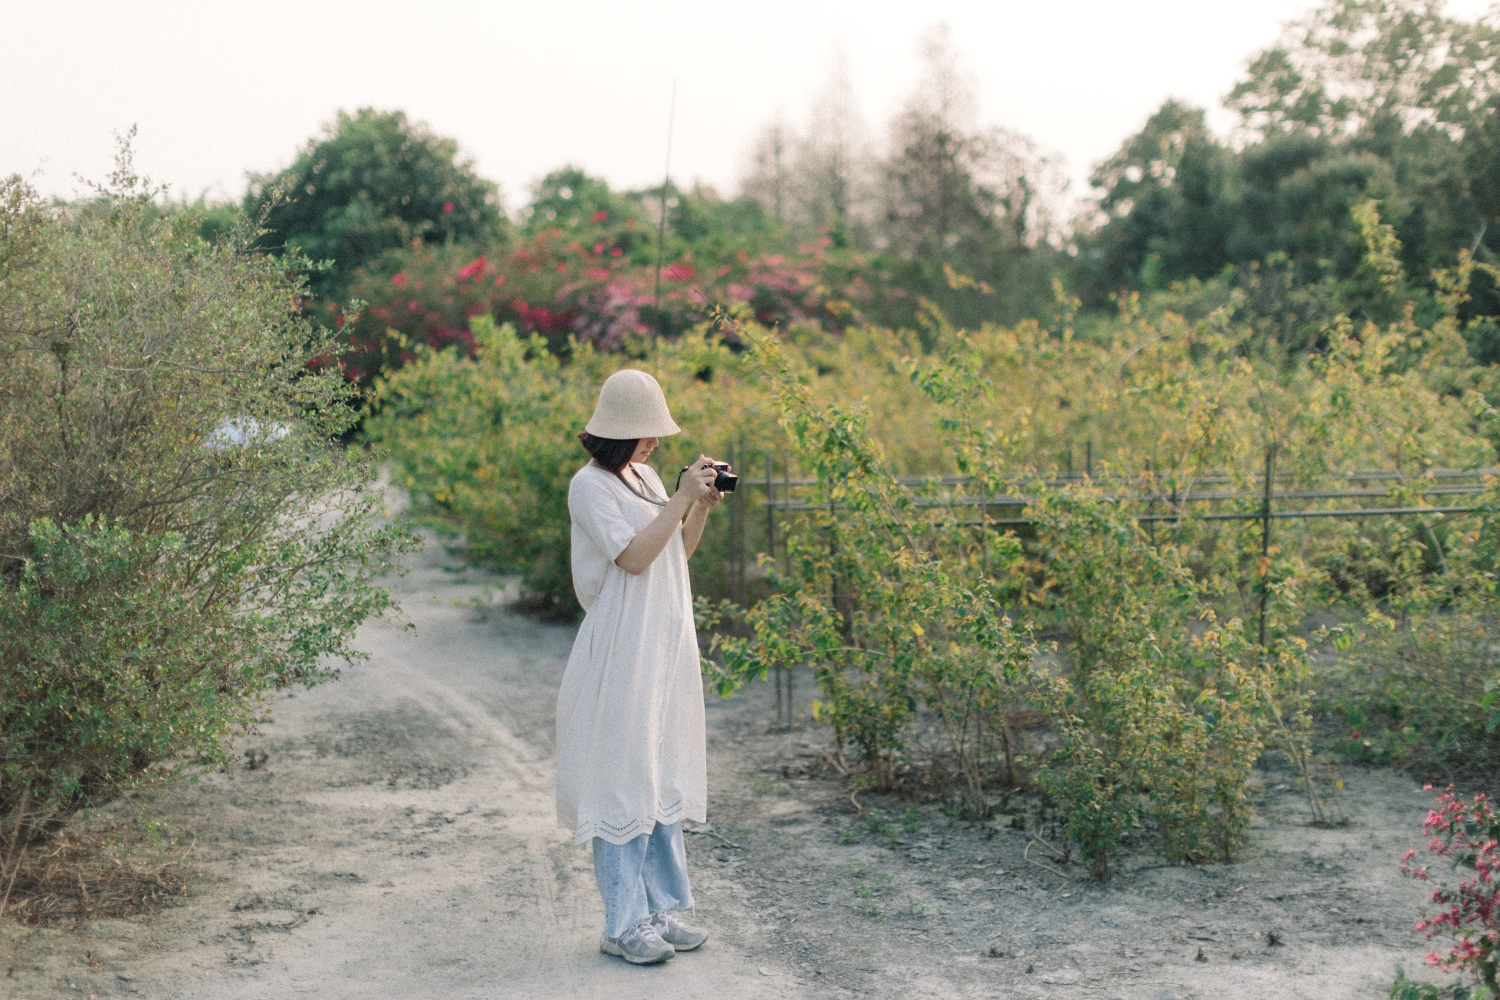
(373, 182)
(1164, 195)
(959, 194)
(1362, 99)
(833, 158)
(1350, 63)
(1482, 160)
(769, 180)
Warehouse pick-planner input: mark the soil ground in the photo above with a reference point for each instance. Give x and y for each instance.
(396, 840)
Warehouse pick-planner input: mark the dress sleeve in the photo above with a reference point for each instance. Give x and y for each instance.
(596, 509)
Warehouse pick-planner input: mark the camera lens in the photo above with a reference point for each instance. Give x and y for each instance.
(723, 481)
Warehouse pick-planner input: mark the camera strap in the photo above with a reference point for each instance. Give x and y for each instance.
(650, 500)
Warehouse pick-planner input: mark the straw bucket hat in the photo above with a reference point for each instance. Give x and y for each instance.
(631, 406)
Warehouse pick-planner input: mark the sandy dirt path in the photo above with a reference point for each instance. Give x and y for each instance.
(396, 840)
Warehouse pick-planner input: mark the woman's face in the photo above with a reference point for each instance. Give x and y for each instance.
(644, 449)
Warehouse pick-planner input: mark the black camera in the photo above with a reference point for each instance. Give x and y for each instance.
(723, 481)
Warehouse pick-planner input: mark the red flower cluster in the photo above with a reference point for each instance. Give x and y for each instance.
(1468, 833)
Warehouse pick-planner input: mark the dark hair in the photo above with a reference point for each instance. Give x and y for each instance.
(612, 453)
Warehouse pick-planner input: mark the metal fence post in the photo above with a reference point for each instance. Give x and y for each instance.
(786, 504)
(770, 512)
(1265, 541)
(744, 497)
(1151, 504)
(984, 529)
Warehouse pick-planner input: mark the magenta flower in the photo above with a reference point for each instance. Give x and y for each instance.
(1467, 833)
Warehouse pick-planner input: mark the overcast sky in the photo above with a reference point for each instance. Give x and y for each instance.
(220, 89)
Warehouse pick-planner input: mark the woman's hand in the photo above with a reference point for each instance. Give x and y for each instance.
(697, 485)
(693, 491)
(692, 528)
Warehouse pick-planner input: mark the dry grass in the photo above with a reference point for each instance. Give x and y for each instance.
(76, 877)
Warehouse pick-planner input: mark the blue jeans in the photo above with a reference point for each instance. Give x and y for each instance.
(645, 876)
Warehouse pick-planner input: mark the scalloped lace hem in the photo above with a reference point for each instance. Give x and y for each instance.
(624, 834)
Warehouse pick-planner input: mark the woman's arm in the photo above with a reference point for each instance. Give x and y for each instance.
(692, 529)
(650, 540)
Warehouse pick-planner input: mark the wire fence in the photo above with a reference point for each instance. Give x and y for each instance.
(1275, 496)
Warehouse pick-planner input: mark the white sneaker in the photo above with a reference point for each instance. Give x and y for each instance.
(676, 933)
(640, 945)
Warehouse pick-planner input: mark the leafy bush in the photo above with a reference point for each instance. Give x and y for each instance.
(488, 444)
(1414, 682)
(873, 605)
(179, 530)
(1405, 989)
(1159, 721)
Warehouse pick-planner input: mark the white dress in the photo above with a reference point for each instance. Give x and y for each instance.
(630, 735)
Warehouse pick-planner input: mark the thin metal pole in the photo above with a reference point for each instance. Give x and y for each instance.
(661, 225)
(784, 674)
(1070, 462)
(1265, 541)
(735, 528)
(1150, 504)
(786, 501)
(780, 712)
(770, 512)
(743, 499)
(984, 529)
(1090, 460)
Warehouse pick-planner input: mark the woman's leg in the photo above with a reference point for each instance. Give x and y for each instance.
(618, 871)
(664, 870)
(665, 876)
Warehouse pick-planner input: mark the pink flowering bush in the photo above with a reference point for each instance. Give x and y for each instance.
(587, 286)
(1467, 833)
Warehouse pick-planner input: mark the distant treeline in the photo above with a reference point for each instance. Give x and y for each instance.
(1384, 101)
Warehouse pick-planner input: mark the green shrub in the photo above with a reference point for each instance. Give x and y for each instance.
(1414, 675)
(1160, 721)
(873, 605)
(487, 444)
(179, 529)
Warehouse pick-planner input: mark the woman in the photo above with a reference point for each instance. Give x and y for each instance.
(630, 739)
